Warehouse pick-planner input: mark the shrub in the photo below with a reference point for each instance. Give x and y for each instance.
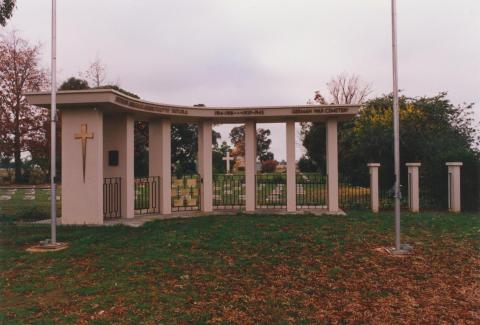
(269, 166)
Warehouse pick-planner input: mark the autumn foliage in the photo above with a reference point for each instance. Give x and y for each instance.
(23, 126)
(269, 166)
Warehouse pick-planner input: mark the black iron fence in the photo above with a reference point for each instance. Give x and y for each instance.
(147, 195)
(353, 197)
(387, 198)
(311, 190)
(112, 197)
(186, 193)
(431, 201)
(271, 191)
(228, 191)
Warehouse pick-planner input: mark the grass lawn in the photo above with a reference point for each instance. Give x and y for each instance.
(18, 207)
(246, 269)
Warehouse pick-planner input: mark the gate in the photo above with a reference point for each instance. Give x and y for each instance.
(311, 191)
(186, 193)
(147, 195)
(228, 191)
(271, 191)
(112, 197)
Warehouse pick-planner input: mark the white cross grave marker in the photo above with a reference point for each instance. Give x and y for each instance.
(228, 158)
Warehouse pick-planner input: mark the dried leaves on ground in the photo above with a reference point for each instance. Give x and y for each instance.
(247, 269)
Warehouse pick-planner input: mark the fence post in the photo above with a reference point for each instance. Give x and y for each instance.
(454, 197)
(413, 186)
(374, 191)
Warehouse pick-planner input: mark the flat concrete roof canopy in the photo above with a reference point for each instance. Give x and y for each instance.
(112, 101)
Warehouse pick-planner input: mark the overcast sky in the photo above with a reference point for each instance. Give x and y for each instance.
(262, 52)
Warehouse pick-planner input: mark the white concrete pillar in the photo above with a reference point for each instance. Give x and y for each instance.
(454, 196)
(374, 188)
(291, 167)
(414, 186)
(250, 165)
(160, 160)
(82, 194)
(332, 165)
(205, 165)
(118, 134)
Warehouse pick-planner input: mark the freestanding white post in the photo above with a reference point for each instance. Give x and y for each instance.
(205, 164)
(374, 190)
(414, 186)
(250, 165)
(159, 160)
(332, 165)
(291, 167)
(454, 196)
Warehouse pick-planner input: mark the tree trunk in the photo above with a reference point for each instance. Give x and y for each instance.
(18, 163)
(16, 146)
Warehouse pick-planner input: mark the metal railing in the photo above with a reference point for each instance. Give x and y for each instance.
(147, 195)
(354, 197)
(112, 197)
(271, 191)
(186, 193)
(311, 190)
(228, 191)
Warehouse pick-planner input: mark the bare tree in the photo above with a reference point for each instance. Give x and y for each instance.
(344, 89)
(96, 73)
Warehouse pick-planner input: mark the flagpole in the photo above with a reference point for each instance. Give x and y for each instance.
(399, 248)
(53, 120)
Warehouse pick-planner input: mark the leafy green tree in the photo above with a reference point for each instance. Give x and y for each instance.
(73, 83)
(185, 147)
(117, 88)
(219, 152)
(307, 165)
(184, 142)
(315, 141)
(432, 131)
(237, 137)
(6, 10)
(140, 151)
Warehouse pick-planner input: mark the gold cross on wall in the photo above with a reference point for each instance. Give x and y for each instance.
(84, 136)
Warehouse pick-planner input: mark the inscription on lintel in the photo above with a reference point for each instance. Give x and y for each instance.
(245, 112)
(322, 110)
(153, 108)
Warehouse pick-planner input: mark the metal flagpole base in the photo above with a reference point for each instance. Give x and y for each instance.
(405, 249)
(47, 246)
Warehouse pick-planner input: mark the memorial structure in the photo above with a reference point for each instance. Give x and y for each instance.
(98, 179)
